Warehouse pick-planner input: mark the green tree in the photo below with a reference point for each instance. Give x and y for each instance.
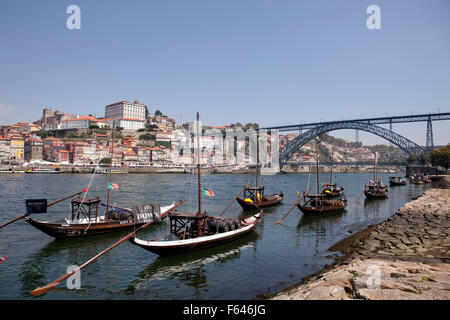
(412, 158)
(158, 113)
(105, 161)
(441, 157)
(147, 136)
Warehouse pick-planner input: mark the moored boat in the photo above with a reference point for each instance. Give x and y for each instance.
(254, 198)
(196, 231)
(317, 203)
(375, 189)
(85, 219)
(397, 181)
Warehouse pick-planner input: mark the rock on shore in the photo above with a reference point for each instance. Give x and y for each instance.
(403, 258)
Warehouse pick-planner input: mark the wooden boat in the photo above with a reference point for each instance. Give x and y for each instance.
(189, 240)
(416, 179)
(254, 197)
(331, 189)
(397, 181)
(87, 222)
(375, 189)
(317, 203)
(195, 231)
(85, 219)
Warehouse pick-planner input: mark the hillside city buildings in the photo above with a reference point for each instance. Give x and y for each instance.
(141, 139)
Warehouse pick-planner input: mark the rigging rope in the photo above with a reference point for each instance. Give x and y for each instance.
(84, 195)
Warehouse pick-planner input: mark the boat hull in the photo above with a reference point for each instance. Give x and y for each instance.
(321, 210)
(247, 206)
(65, 231)
(372, 195)
(395, 183)
(166, 248)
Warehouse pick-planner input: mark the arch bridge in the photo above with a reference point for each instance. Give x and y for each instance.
(368, 125)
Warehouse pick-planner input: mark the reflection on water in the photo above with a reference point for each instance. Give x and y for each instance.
(271, 255)
(190, 268)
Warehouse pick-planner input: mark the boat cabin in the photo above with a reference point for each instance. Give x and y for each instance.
(87, 208)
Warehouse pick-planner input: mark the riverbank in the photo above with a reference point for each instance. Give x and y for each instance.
(186, 170)
(406, 257)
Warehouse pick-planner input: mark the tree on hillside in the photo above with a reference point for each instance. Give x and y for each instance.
(158, 113)
(441, 157)
(412, 158)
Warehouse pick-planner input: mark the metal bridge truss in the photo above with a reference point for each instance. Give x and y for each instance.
(403, 143)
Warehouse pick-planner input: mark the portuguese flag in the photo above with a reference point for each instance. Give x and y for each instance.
(113, 186)
(208, 192)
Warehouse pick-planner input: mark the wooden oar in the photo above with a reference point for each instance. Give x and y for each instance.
(51, 285)
(48, 205)
(357, 199)
(294, 205)
(231, 202)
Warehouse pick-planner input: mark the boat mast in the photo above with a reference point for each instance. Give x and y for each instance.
(331, 171)
(198, 174)
(111, 155)
(257, 160)
(317, 170)
(375, 168)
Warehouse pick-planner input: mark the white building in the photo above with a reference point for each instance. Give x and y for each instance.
(164, 136)
(81, 123)
(125, 109)
(126, 123)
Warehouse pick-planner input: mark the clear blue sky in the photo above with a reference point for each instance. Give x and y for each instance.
(271, 62)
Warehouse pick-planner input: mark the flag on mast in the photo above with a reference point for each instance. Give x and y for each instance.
(113, 186)
(208, 192)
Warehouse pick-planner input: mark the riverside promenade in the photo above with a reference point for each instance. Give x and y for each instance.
(406, 257)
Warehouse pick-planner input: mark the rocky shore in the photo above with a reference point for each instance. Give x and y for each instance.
(406, 257)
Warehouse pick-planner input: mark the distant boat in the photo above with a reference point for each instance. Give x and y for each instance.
(317, 203)
(331, 189)
(39, 170)
(397, 181)
(114, 172)
(254, 197)
(375, 188)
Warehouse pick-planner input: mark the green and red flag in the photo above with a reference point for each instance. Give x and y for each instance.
(208, 192)
(113, 186)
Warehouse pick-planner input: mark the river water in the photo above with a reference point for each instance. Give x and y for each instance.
(270, 258)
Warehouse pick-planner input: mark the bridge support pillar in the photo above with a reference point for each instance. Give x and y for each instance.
(430, 143)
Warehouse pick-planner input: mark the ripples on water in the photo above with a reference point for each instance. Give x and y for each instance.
(271, 256)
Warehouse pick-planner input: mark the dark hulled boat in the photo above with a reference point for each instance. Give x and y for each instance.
(376, 190)
(317, 203)
(397, 181)
(254, 198)
(87, 222)
(85, 219)
(331, 189)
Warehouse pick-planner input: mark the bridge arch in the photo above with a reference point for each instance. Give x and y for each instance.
(403, 143)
